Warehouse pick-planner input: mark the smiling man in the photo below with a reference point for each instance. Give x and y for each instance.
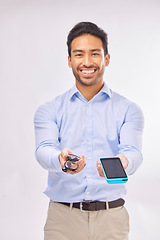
(88, 60)
(91, 121)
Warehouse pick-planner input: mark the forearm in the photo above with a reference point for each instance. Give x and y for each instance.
(48, 158)
(135, 159)
(47, 138)
(131, 138)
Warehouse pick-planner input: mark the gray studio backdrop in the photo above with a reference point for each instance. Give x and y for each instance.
(33, 70)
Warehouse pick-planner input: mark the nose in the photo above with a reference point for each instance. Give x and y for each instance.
(87, 61)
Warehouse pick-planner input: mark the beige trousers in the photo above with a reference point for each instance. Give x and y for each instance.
(65, 223)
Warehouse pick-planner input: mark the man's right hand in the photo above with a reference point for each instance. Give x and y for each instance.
(63, 158)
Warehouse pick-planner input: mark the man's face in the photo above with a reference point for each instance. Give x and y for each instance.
(87, 59)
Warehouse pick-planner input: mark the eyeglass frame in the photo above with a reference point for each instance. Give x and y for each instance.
(73, 161)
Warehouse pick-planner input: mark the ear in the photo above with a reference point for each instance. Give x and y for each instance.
(107, 59)
(69, 62)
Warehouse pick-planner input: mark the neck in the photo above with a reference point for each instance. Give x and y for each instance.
(89, 92)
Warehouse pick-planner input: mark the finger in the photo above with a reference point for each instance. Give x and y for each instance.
(65, 153)
(82, 161)
(99, 168)
(70, 172)
(63, 156)
(82, 157)
(124, 160)
(81, 165)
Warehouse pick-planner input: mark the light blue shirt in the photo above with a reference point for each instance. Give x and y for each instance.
(105, 126)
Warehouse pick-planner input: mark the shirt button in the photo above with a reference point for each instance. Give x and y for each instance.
(89, 139)
(89, 157)
(89, 121)
(87, 193)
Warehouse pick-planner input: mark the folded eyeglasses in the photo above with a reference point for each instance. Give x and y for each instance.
(71, 163)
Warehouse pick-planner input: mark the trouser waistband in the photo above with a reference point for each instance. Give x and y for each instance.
(95, 205)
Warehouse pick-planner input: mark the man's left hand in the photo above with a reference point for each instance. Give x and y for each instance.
(124, 161)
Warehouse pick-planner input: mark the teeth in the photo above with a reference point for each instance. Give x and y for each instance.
(88, 72)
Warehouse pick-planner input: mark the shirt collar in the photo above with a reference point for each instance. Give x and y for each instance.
(104, 89)
(73, 91)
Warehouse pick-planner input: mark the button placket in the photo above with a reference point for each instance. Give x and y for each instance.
(89, 150)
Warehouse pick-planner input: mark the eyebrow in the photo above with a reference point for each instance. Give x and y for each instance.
(92, 50)
(95, 50)
(76, 50)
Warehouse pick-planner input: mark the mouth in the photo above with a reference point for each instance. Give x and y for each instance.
(88, 72)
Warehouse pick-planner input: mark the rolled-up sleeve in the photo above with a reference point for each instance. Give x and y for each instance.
(131, 137)
(47, 138)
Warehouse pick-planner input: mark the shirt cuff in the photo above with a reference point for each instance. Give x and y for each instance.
(135, 161)
(55, 162)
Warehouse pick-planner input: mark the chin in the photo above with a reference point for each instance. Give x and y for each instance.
(88, 83)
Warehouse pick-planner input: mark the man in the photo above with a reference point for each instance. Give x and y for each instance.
(90, 121)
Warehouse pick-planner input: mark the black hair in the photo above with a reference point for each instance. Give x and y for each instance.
(87, 28)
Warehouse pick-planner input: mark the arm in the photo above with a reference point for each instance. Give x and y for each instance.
(48, 152)
(47, 138)
(130, 140)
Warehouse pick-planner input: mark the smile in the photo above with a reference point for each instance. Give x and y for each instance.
(88, 72)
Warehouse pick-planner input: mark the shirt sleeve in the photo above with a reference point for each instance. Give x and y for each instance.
(47, 138)
(131, 137)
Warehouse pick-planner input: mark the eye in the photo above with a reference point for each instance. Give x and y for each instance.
(78, 55)
(95, 54)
